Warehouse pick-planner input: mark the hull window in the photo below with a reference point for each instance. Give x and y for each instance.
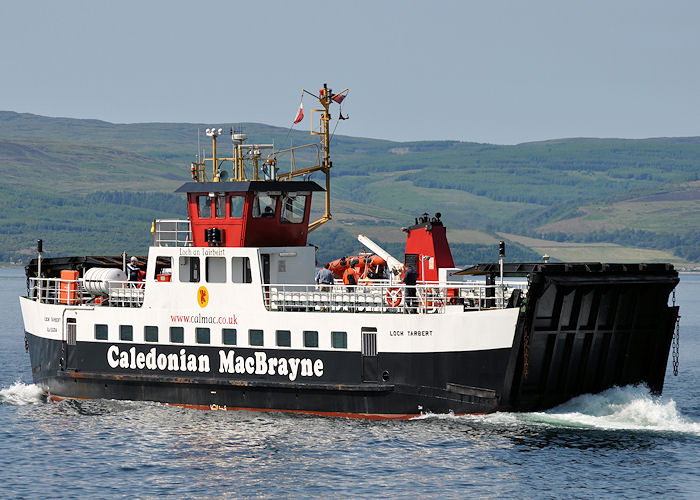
(150, 333)
(255, 338)
(339, 340)
(284, 338)
(228, 336)
(310, 338)
(177, 334)
(126, 332)
(101, 332)
(202, 335)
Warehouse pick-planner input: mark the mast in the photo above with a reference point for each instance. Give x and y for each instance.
(270, 168)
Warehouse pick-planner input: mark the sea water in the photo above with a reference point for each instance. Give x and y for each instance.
(621, 443)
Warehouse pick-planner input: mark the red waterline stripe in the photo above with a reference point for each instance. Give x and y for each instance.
(366, 416)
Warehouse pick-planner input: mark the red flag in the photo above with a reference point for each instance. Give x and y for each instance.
(338, 98)
(300, 114)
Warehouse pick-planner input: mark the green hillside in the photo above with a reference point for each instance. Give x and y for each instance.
(87, 186)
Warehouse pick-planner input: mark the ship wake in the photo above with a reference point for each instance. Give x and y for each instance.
(630, 408)
(21, 394)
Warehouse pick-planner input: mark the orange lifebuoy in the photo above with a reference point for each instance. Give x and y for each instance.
(393, 297)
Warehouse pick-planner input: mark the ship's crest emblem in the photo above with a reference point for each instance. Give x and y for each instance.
(203, 296)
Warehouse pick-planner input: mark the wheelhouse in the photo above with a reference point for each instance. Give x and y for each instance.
(249, 213)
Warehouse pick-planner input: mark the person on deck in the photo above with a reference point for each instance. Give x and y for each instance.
(324, 278)
(132, 269)
(410, 277)
(350, 277)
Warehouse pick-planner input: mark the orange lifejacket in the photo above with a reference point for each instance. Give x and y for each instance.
(350, 276)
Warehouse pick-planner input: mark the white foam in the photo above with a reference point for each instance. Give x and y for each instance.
(619, 408)
(21, 394)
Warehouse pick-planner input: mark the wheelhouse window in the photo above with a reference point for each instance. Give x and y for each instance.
(189, 269)
(264, 205)
(216, 269)
(255, 337)
(228, 336)
(220, 206)
(284, 338)
(101, 332)
(339, 340)
(202, 335)
(236, 203)
(310, 338)
(204, 207)
(240, 270)
(293, 208)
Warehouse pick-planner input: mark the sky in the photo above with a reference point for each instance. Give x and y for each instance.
(489, 71)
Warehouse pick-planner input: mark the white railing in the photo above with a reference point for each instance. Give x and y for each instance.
(379, 297)
(74, 293)
(171, 233)
(384, 297)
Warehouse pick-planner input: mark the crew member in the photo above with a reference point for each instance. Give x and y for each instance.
(410, 277)
(132, 269)
(324, 278)
(350, 276)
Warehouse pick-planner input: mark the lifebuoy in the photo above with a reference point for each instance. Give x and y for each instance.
(393, 297)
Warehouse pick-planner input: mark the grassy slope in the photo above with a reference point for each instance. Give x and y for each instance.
(528, 189)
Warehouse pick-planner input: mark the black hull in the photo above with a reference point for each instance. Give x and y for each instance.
(584, 328)
(344, 390)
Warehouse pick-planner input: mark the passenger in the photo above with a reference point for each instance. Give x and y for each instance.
(324, 278)
(350, 277)
(132, 269)
(410, 277)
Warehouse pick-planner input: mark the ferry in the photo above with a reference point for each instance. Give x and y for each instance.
(224, 311)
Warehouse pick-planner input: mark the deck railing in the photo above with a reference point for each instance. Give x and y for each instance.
(74, 292)
(378, 297)
(171, 233)
(387, 298)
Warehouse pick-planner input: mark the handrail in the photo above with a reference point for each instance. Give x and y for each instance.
(385, 297)
(75, 292)
(172, 233)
